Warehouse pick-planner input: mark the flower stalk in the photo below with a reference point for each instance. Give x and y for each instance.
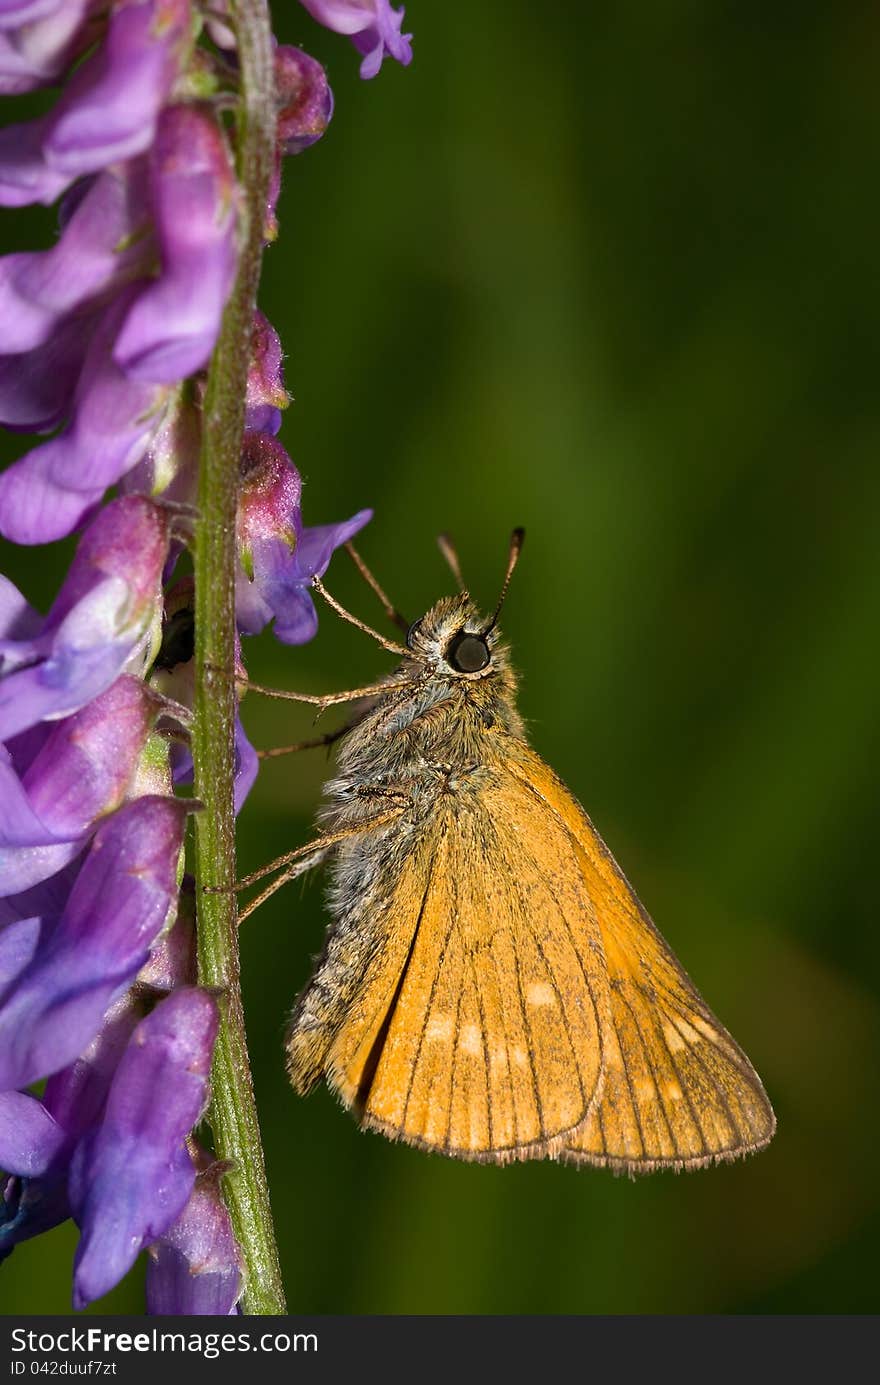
(232, 1112)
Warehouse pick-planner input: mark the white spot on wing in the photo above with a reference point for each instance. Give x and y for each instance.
(687, 1031)
(539, 993)
(439, 1028)
(470, 1040)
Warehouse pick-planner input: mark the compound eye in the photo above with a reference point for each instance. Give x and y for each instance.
(467, 653)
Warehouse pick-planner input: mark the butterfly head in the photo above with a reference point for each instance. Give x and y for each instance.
(454, 639)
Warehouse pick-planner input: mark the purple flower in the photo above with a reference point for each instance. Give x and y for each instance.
(101, 246)
(373, 26)
(48, 492)
(173, 675)
(38, 1136)
(37, 387)
(108, 1143)
(172, 961)
(59, 975)
(51, 795)
(195, 1267)
(131, 1177)
(247, 765)
(279, 556)
(170, 464)
(38, 41)
(170, 329)
(109, 109)
(104, 618)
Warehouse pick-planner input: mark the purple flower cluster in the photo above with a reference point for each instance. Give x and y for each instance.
(106, 338)
(97, 966)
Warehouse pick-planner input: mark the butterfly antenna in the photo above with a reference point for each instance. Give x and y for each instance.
(447, 548)
(517, 539)
(391, 611)
(353, 620)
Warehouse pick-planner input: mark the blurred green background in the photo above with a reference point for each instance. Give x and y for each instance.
(608, 271)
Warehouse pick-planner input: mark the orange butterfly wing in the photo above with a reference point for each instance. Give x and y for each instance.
(677, 1090)
(477, 1029)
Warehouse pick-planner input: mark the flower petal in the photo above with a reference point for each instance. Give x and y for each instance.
(108, 111)
(194, 1268)
(81, 772)
(171, 328)
(36, 51)
(99, 246)
(282, 578)
(74, 1099)
(86, 764)
(48, 491)
(14, 13)
(111, 105)
(30, 851)
(19, 940)
(29, 1137)
(18, 620)
(25, 176)
(305, 101)
(130, 1179)
(373, 26)
(316, 545)
(118, 906)
(37, 387)
(105, 610)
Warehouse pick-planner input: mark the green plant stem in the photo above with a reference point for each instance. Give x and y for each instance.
(232, 1113)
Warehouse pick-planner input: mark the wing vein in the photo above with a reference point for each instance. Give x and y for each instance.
(739, 1135)
(565, 1022)
(655, 1077)
(684, 1091)
(482, 1015)
(527, 1031)
(428, 1008)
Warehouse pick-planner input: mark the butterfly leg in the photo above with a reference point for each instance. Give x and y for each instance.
(319, 700)
(316, 741)
(295, 863)
(292, 872)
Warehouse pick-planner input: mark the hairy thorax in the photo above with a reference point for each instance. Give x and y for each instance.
(428, 738)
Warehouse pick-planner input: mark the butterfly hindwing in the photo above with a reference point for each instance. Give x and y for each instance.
(677, 1090)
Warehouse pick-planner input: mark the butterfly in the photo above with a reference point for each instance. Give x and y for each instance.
(490, 986)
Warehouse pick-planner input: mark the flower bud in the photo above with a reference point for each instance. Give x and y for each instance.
(268, 506)
(266, 395)
(305, 101)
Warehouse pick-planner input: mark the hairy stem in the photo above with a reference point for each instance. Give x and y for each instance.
(232, 1113)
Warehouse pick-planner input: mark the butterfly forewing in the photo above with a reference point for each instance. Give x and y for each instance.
(677, 1090)
(481, 1035)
